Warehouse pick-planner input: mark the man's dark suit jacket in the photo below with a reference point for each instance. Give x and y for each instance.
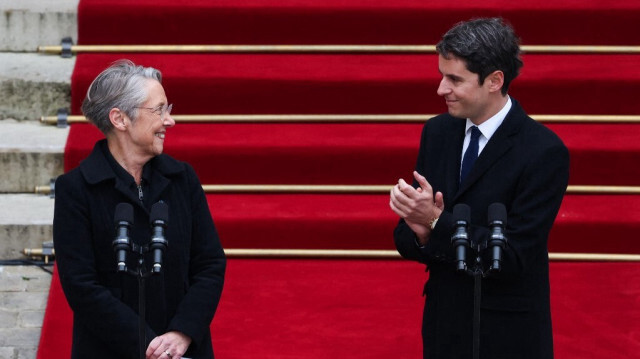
(183, 297)
(525, 166)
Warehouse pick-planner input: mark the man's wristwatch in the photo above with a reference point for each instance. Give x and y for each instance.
(433, 222)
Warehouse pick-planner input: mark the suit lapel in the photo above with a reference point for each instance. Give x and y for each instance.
(498, 145)
(454, 158)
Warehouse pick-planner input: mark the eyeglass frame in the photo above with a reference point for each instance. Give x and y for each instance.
(165, 109)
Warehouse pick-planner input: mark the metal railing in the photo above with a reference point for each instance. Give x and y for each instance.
(63, 120)
(358, 189)
(427, 49)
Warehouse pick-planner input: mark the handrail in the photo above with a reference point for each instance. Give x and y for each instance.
(554, 49)
(358, 189)
(280, 188)
(392, 254)
(370, 254)
(357, 118)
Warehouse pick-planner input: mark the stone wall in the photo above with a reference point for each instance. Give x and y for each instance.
(31, 85)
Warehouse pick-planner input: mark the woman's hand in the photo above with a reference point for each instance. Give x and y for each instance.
(170, 345)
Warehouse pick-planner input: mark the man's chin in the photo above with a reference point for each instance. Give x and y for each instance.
(454, 113)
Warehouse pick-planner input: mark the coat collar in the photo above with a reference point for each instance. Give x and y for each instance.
(498, 145)
(96, 169)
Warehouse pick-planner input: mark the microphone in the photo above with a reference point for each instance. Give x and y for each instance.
(460, 238)
(159, 218)
(497, 215)
(123, 219)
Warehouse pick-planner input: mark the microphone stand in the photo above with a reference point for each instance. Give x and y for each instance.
(124, 219)
(478, 273)
(497, 215)
(142, 274)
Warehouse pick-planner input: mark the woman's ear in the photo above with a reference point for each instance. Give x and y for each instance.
(117, 119)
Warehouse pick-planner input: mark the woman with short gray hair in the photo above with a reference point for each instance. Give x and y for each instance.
(121, 85)
(128, 170)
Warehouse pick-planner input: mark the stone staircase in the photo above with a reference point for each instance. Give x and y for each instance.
(31, 85)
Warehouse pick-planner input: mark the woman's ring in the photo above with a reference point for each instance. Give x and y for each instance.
(168, 353)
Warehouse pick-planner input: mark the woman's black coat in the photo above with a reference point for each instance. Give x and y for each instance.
(183, 297)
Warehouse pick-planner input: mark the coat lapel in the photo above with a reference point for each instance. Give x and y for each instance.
(96, 169)
(163, 167)
(158, 184)
(454, 157)
(498, 145)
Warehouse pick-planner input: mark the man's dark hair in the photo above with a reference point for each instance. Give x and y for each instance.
(486, 45)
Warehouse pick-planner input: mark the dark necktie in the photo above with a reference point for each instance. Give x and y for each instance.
(471, 154)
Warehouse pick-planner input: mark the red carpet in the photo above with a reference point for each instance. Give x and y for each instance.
(348, 308)
(354, 153)
(577, 22)
(375, 84)
(596, 310)
(310, 309)
(366, 222)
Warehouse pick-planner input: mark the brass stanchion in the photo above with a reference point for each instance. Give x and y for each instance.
(400, 118)
(429, 49)
(572, 189)
(354, 189)
(364, 253)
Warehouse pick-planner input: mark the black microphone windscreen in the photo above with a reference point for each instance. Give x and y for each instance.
(124, 212)
(461, 212)
(159, 212)
(497, 212)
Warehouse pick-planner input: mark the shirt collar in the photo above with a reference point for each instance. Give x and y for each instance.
(489, 127)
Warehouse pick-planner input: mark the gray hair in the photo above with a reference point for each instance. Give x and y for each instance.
(122, 86)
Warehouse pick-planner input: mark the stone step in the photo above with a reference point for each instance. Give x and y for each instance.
(30, 155)
(23, 299)
(33, 85)
(26, 24)
(26, 221)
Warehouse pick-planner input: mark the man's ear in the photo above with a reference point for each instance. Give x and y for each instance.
(117, 119)
(495, 81)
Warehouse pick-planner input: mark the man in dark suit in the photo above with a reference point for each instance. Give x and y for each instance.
(485, 150)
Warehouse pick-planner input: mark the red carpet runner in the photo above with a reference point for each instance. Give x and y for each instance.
(372, 309)
(372, 83)
(574, 22)
(319, 308)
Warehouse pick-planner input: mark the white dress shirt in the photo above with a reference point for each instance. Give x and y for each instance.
(487, 128)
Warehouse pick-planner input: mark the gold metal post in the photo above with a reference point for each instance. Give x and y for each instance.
(534, 49)
(226, 188)
(45, 253)
(394, 118)
(256, 188)
(357, 189)
(368, 254)
(46, 190)
(603, 189)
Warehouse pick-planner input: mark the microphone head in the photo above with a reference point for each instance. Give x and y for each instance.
(124, 213)
(461, 212)
(159, 212)
(497, 213)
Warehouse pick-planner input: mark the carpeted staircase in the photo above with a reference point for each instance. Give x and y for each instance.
(347, 307)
